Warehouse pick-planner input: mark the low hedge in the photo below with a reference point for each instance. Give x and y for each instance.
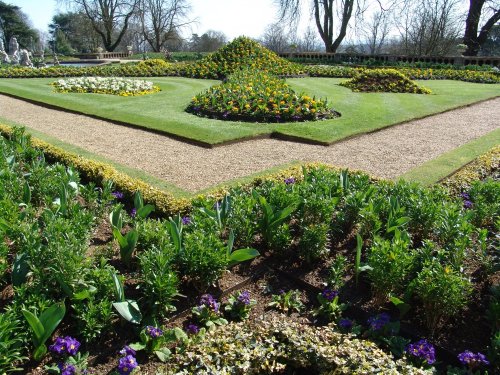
(486, 165)
(278, 346)
(99, 172)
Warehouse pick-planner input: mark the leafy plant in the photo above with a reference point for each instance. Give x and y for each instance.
(272, 217)
(142, 211)
(158, 280)
(220, 212)
(287, 301)
(330, 308)
(128, 309)
(314, 241)
(11, 342)
(443, 291)
(239, 305)
(208, 313)
(390, 263)
(155, 341)
(43, 326)
(127, 243)
(337, 271)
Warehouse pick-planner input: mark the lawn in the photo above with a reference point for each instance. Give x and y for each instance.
(164, 112)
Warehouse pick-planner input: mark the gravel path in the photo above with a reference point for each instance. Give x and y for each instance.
(387, 153)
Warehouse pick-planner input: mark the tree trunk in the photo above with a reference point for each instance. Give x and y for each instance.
(472, 39)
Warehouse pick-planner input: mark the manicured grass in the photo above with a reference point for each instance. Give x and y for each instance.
(164, 111)
(444, 165)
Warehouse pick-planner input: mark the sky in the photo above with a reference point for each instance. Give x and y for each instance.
(232, 17)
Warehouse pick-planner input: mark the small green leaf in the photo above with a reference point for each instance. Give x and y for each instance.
(40, 352)
(51, 318)
(144, 212)
(26, 193)
(138, 202)
(137, 346)
(20, 269)
(163, 354)
(36, 326)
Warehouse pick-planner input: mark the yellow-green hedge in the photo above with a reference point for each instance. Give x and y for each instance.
(166, 203)
(478, 169)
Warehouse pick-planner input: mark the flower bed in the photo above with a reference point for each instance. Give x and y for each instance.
(241, 53)
(383, 80)
(256, 96)
(100, 265)
(105, 85)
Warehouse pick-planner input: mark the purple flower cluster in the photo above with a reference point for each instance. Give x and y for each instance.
(472, 360)
(329, 294)
(467, 202)
(127, 350)
(192, 329)
(154, 332)
(186, 220)
(422, 350)
(379, 321)
(117, 194)
(244, 298)
(346, 323)
(290, 180)
(127, 364)
(65, 345)
(209, 302)
(133, 212)
(66, 368)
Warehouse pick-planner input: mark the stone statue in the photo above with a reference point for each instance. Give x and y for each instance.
(14, 50)
(24, 58)
(4, 58)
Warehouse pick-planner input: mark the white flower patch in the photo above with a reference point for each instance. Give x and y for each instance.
(105, 85)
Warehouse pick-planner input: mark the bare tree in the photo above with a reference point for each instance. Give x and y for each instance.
(473, 37)
(276, 38)
(429, 27)
(208, 42)
(161, 20)
(109, 18)
(376, 31)
(308, 41)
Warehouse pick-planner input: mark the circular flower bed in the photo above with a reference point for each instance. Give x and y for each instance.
(384, 80)
(242, 52)
(255, 96)
(105, 85)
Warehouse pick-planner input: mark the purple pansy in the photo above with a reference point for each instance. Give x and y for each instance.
(117, 194)
(186, 220)
(192, 329)
(346, 323)
(65, 345)
(422, 350)
(66, 368)
(289, 180)
(329, 294)
(154, 332)
(127, 364)
(210, 302)
(472, 360)
(377, 322)
(244, 298)
(127, 350)
(133, 212)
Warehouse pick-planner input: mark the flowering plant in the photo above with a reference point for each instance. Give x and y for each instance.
(208, 312)
(72, 362)
(155, 341)
(239, 305)
(473, 361)
(105, 85)
(254, 95)
(422, 352)
(330, 307)
(383, 80)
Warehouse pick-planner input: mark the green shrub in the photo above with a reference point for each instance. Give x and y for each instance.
(153, 63)
(390, 264)
(314, 242)
(158, 281)
(383, 80)
(443, 292)
(203, 259)
(240, 53)
(256, 96)
(485, 198)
